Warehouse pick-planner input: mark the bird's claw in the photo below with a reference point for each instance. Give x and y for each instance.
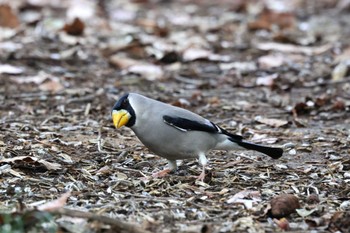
(201, 176)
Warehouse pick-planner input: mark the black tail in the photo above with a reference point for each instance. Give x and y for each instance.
(273, 152)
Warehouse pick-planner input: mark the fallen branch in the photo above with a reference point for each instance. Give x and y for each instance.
(120, 225)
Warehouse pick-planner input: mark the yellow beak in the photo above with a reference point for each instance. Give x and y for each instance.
(120, 117)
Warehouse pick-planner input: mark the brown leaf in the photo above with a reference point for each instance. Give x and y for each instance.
(76, 28)
(322, 100)
(7, 17)
(31, 162)
(340, 221)
(283, 205)
(53, 85)
(300, 109)
(269, 18)
(153, 26)
(339, 105)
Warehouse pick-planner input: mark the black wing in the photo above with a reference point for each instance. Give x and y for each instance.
(185, 124)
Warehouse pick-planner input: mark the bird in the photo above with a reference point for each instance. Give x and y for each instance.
(175, 133)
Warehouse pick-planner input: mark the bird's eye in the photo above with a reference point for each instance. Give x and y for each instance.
(125, 103)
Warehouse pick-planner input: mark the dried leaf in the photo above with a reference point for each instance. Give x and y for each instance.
(340, 221)
(246, 197)
(266, 80)
(290, 48)
(55, 204)
(343, 57)
(45, 81)
(104, 170)
(271, 122)
(82, 9)
(32, 162)
(7, 17)
(53, 84)
(315, 222)
(304, 212)
(247, 224)
(339, 105)
(268, 18)
(148, 71)
(343, 5)
(271, 61)
(192, 54)
(300, 109)
(76, 28)
(37, 79)
(122, 62)
(9, 69)
(339, 71)
(241, 66)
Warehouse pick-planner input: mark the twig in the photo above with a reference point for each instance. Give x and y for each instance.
(327, 82)
(121, 156)
(130, 170)
(87, 98)
(121, 225)
(247, 157)
(31, 95)
(52, 118)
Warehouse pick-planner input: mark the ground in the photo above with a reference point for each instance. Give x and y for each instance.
(275, 72)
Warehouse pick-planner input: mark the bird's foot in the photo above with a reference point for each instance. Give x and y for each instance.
(201, 176)
(161, 173)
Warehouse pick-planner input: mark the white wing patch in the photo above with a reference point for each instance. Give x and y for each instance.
(176, 127)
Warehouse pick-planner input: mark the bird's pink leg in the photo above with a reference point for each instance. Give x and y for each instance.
(202, 175)
(202, 161)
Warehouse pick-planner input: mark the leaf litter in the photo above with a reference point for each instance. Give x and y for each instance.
(262, 70)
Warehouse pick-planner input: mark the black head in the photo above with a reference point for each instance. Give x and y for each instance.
(124, 104)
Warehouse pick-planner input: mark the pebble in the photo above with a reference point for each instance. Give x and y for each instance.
(292, 152)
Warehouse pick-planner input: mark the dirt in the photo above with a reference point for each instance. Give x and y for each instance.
(278, 79)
